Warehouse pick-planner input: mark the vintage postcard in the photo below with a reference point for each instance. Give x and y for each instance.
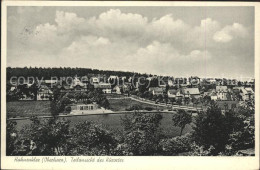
(129, 85)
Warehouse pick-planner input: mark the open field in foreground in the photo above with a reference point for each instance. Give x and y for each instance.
(42, 108)
(113, 122)
(122, 104)
(28, 108)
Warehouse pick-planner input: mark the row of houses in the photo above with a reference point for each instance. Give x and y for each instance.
(195, 81)
(219, 93)
(170, 81)
(179, 93)
(45, 89)
(107, 86)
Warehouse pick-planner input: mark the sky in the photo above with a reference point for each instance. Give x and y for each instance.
(175, 41)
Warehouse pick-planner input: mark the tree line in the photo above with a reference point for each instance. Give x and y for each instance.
(47, 73)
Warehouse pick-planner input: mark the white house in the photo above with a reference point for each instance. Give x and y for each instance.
(94, 80)
(44, 93)
(13, 88)
(77, 85)
(156, 90)
(246, 93)
(191, 92)
(84, 107)
(221, 92)
(170, 82)
(117, 89)
(30, 96)
(106, 87)
(213, 96)
(179, 94)
(171, 93)
(251, 82)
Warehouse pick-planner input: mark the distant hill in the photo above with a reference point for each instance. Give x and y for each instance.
(47, 73)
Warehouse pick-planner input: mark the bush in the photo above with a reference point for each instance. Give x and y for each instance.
(141, 133)
(134, 107)
(212, 129)
(148, 108)
(200, 150)
(11, 137)
(43, 137)
(67, 109)
(176, 145)
(90, 138)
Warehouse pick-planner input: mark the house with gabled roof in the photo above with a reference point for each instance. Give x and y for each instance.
(172, 93)
(213, 95)
(105, 87)
(246, 93)
(44, 93)
(179, 93)
(191, 92)
(221, 92)
(156, 90)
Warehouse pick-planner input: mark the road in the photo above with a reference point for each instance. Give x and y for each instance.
(188, 108)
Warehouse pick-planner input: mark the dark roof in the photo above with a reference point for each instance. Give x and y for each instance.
(158, 89)
(221, 88)
(102, 86)
(172, 91)
(191, 91)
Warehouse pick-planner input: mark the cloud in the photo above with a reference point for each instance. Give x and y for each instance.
(201, 36)
(85, 43)
(119, 40)
(165, 58)
(136, 28)
(222, 36)
(44, 38)
(167, 28)
(114, 23)
(229, 32)
(67, 21)
(157, 51)
(97, 52)
(199, 55)
(45, 29)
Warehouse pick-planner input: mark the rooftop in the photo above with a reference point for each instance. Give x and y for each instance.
(192, 91)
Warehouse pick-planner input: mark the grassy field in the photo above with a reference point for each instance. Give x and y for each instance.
(112, 95)
(113, 122)
(42, 108)
(122, 104)
(28, 108)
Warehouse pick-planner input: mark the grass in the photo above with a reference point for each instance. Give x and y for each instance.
(113, 95)
(221, 104)
(113, 122)
(122, 104)
(42, 108)
(28, 108)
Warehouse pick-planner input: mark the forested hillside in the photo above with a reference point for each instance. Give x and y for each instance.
(47, 73)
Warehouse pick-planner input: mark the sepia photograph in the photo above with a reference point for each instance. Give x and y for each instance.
(115, 81)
